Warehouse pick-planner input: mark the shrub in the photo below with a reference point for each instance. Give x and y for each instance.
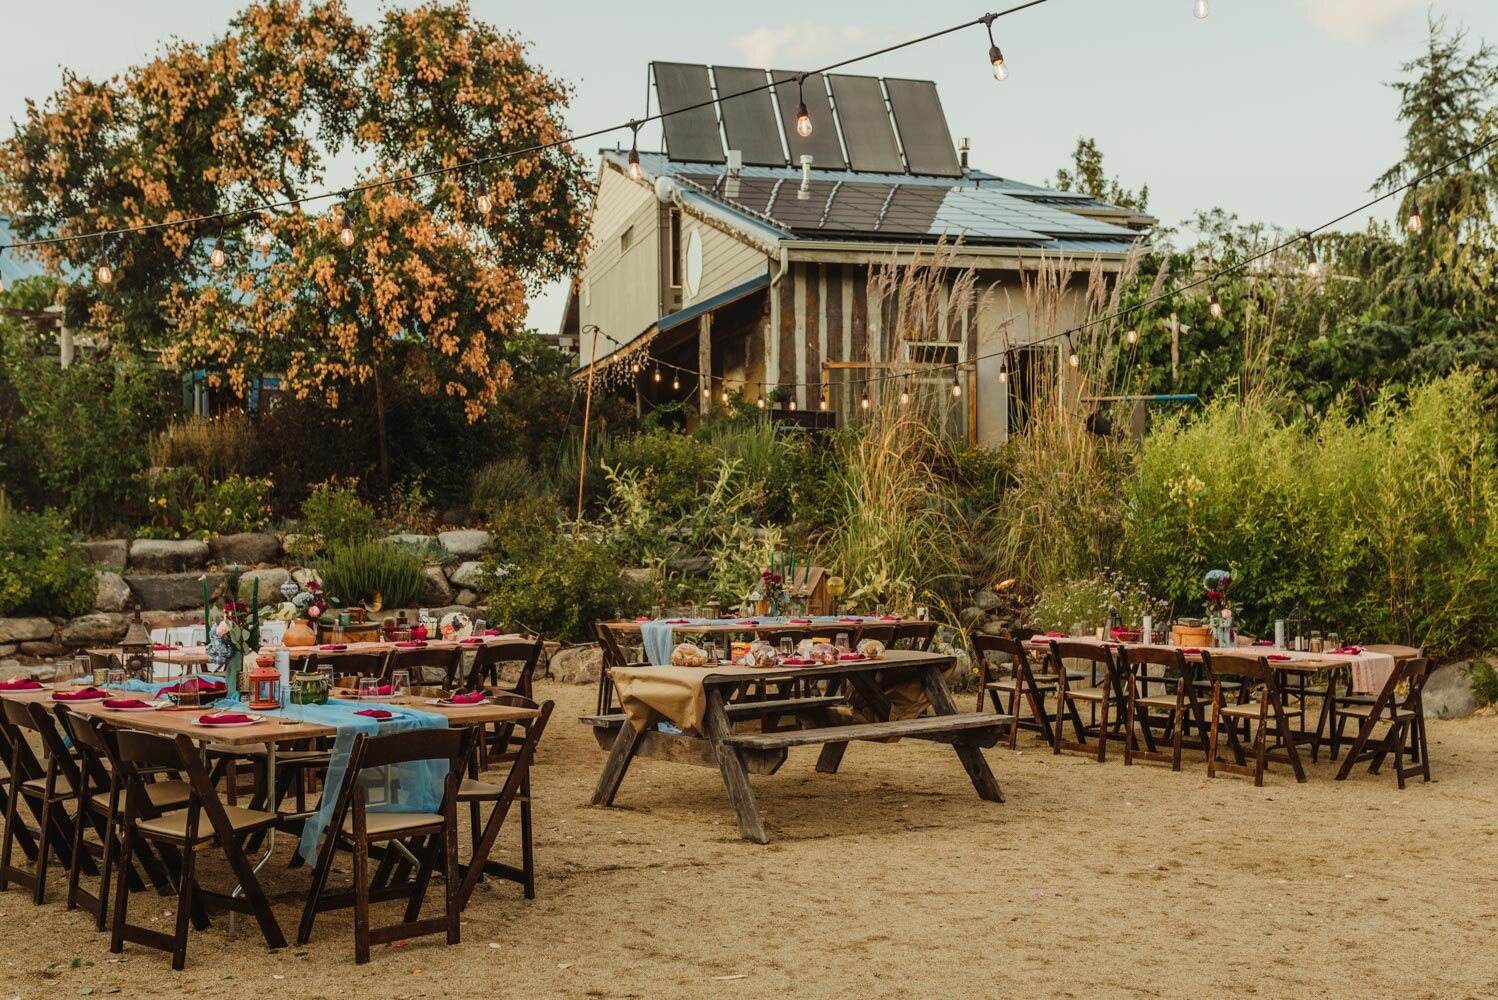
(353, 571)
(408, 508)
(42, 571)
(558, 587)
(215, 447)
(502, 481)
(334, 515)
(1484, 681)
(1088, 600)
(679, 466)
(230, 506)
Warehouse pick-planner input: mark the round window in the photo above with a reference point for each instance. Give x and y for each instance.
(692, 272)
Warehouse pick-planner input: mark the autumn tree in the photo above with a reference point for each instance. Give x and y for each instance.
(248, 124)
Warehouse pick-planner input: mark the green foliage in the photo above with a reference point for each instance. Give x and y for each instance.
(335, 515)
(354, 570)
(678, 466)
(1484, 681)
(42, 571)
(558, 587)
(407, 508)
(1086, 175)
(230, 506)
(215, 447)
(502, 481)
(1088, 601)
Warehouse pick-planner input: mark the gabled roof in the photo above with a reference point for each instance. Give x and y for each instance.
(770, 203)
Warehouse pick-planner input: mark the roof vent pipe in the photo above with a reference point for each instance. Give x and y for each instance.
(805, 191)
(735, 162)
(962, 148)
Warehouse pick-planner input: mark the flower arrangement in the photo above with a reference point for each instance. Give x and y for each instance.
(302, 601)
(1219, 586)
(236, 633)
(771, 590)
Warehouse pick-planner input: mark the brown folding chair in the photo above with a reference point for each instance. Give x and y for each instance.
(427, 836)
(429, 667)
(1105, 697)
(47, 785)
(20, 833)
(883, 633)
(1404, 715)
(488, 661)
(204, 819)
(99, 802)
(613, 656)
(364, 663)
(1179, 705)
(915, 635)
(516, 788)
(1023, 683)
(1258, 714)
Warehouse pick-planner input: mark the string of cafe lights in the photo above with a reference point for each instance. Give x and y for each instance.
(104, 271)
(1414, 224)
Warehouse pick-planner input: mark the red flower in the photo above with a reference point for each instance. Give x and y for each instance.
(775, 578)
(313, 586)
(1214, 595)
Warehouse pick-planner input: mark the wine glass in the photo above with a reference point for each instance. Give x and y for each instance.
(400, 684)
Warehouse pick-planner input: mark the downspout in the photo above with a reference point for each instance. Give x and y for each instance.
(785, 263)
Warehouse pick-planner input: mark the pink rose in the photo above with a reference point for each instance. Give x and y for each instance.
(1227, 614)
(221, 629)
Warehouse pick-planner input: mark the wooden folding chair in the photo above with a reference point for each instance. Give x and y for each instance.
(21, 835)
(486, 672)
(99, 802)
(613, 656)
(431, 837)
(1268, 709)
(1403, 714)
(205, 819)
(1105, 696)
(46, 785)
(364, 663)
(429, 666)
(1023, 683)
(516, 788)
(1180, 704)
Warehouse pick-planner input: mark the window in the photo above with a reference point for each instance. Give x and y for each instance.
(676, 248)
(626, 239)
(1031, 371)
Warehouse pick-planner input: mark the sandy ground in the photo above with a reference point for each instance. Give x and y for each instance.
(892, 879)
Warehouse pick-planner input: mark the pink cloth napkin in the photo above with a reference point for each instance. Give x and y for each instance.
(471, 698)
(495, 631)
(748, 621)
(1263, 642)
(1276, 656)
(1347, 651)
(125, 703)
(852, 656)
(676, 621)
(855, 621)
(412, 644)
(797, 661)
(82, 694)
(202, 687)
(21, 684)
(333, 647)
(223, 719)
(471, 641)
(1056, 635)
(889, 618)
(1190, 650)
(800, 621)
(376, 713)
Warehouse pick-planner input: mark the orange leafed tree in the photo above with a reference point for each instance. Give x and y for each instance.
(432, 282)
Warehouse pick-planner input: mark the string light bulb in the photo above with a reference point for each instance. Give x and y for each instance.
(1003, 373)
(724, 396)
(1214, 306)
(864, 402)
(634, 367)
(675, 382)
(657, 376)
(104, 273)
(1201, 8)
(634, 150)
(345, 228)
(791, 404)
(1313, 266)
(485, 203)
(822, 403)
(995, 57)
(956, 386)
(1071, 353)
(761, 401)
(1414, 223)
(1131, 335)
(218, 256)
(803, 117)
(905, 392)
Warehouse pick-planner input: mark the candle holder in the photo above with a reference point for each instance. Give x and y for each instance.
(264, 679)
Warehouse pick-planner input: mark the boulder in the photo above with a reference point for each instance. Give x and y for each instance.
(466, 575)
(25, 629)
(153, 620)
(1448, 692)
(435, 590)
(8, 649)
(637, 576)
(97, 629)
(159, 555)
(41, 649)
(987, 600)
(691, 565)
(171, 591)
(107, 552)
(467, 598)
(971, 616)
(577, 664)
(465, 544)
(245, 549)
(111, 592)
(302, 575)
(270, 579)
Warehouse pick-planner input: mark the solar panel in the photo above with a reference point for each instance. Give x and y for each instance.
(912, 210)
(822, 144)
(749, 121)
(866, 126)
(923, 127)
(856, 207)
(691, 136)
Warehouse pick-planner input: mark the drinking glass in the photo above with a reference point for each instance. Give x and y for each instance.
(841, 642)
(369, 689)
(479, 627)
(787, 647)
(400, 684)
(326, 669)
(116, 676)
(1333, 640)
(881, 609)
(711, 648)
(921, 612)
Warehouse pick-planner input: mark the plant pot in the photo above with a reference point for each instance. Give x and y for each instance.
(1191, 635)
(299, 633)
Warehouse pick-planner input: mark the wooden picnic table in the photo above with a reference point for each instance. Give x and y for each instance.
(760, 626)
(820, 722)
(197, 655)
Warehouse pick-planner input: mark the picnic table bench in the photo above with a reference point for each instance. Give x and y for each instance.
(812, 719)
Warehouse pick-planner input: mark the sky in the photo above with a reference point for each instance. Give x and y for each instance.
(1277, 110)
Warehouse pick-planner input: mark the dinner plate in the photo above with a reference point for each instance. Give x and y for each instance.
(448, 703)
(250, 721)
(148, 707)
(76, 700)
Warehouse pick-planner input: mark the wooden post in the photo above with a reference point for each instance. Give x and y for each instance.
(582, 461)
(705, 363)
(1175, 347)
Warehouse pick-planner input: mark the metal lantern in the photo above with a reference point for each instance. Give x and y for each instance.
(135, 648)
(264, 680)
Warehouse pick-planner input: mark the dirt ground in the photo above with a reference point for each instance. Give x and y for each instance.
(892, 879)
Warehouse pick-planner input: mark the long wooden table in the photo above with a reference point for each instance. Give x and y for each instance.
(736, 754)
(197, 655)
